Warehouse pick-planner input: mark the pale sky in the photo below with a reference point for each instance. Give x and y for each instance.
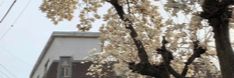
(21, 44)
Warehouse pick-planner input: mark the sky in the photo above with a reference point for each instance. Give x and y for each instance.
(23, 35)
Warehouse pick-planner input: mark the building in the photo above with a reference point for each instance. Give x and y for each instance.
(63, 53)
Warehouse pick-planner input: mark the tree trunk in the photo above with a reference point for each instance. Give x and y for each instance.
(218, 16)
(223, 46)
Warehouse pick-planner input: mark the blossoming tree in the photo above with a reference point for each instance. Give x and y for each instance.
(148, 37)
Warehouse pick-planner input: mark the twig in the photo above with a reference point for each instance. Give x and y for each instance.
(197, 51)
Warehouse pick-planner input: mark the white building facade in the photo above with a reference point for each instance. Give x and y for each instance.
(61, 50)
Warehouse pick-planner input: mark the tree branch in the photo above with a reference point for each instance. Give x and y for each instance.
(144, 67)
(197, 51)
(141, 50)
(167, 57)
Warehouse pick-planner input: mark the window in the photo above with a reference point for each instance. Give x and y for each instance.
(66, 71)
(66, 67)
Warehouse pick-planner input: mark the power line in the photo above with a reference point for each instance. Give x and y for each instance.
(4, 34)
(4, 74)
(12, 74)
(17, 18)
(17, 58)
(8, 11)
(21, 13)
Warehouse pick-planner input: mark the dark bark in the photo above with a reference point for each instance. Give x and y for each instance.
(197, 51)
(144, 67)
(218, 19)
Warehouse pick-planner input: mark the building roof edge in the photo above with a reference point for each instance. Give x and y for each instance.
(61, 34)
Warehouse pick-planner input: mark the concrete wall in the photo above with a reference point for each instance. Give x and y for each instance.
(76, 47)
